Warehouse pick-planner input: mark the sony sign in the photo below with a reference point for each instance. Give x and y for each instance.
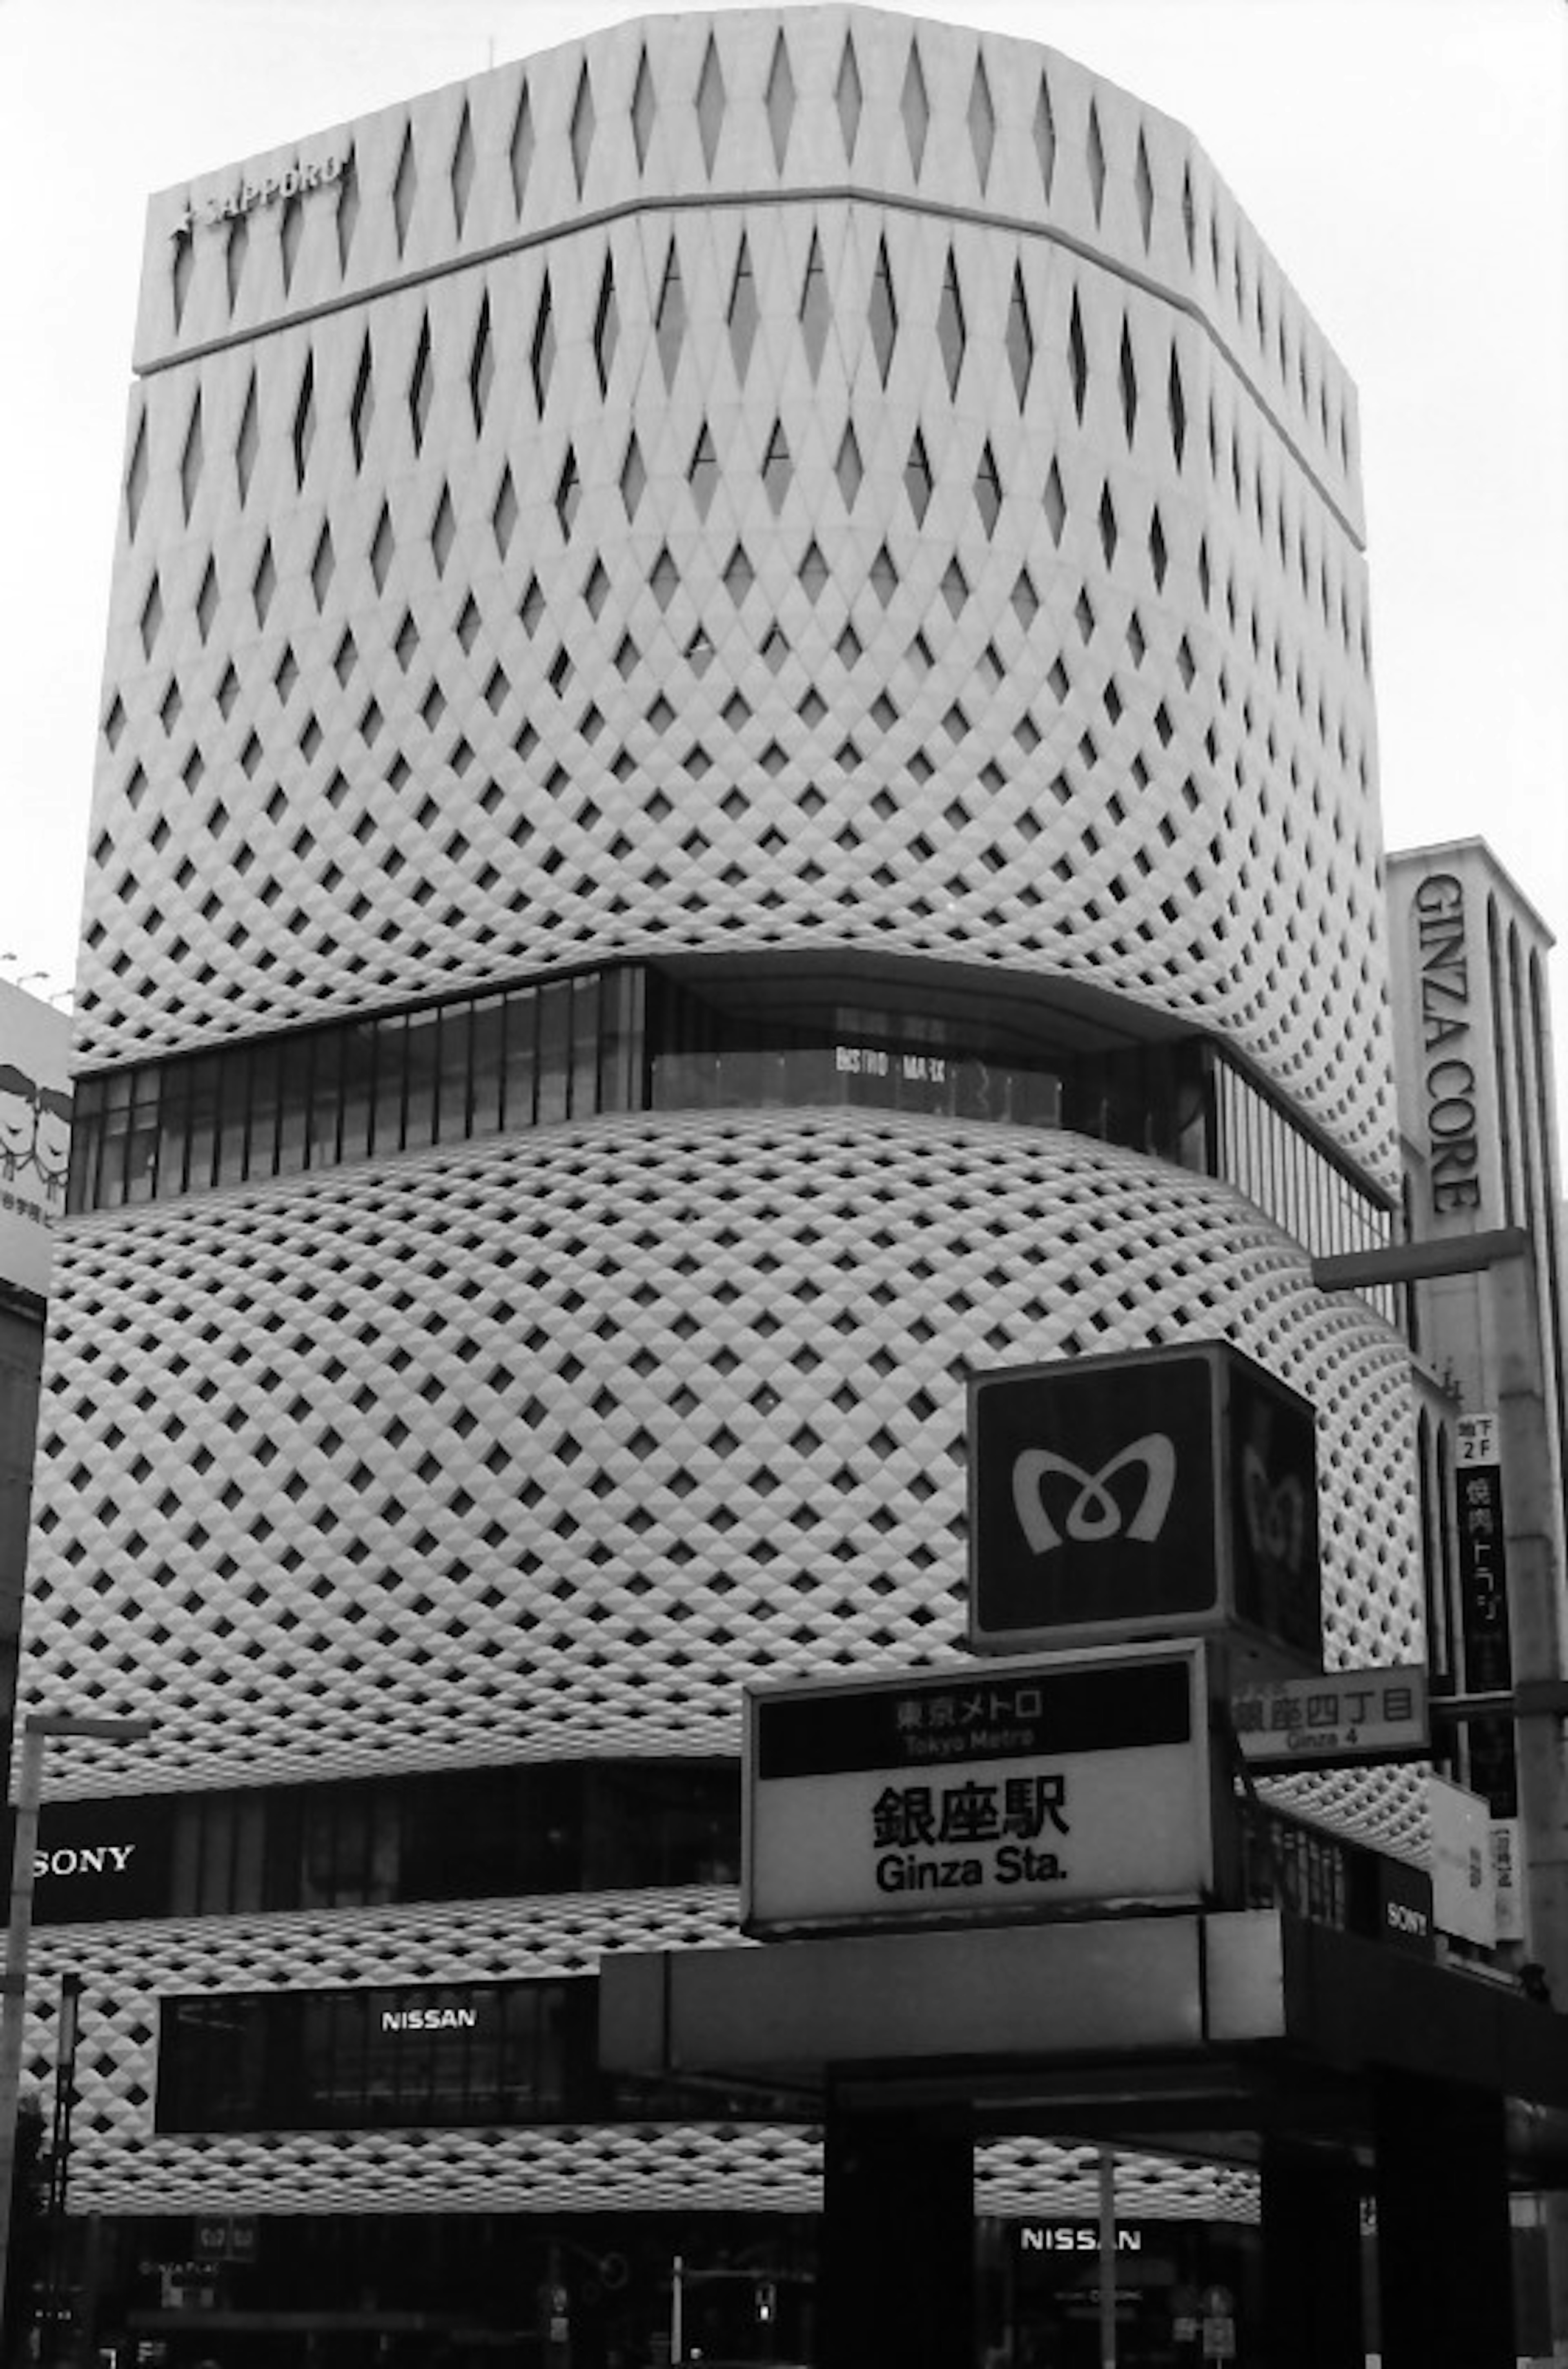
(1448, 1087)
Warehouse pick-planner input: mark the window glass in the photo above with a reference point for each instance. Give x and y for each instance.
(487, 1069)
(234, 1087)
(261, 1159)
(555, 1038)
(294, 1103)
(356, 1090)
(522, 1057)
(205, 1081)
(387, 1108)
(422, 1046)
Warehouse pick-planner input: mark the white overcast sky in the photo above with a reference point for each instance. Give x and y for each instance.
(1405, 160)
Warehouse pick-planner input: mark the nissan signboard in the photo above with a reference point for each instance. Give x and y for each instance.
(1166, 1493)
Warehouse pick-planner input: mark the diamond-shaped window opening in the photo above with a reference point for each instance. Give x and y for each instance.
(481, 364)
(542, 352)
(569, 491)
(741, 315)
(381, 546)
(1045, 131)
(711, 98)
(323, 566)
(645, 107)
(951, 336)
(264, 583)
(1083, 613)
(1109, 533)
(988, 489)
(1054, 503)
(1143, 189)
(664, 578)
(670, 318)
(582, 129)
(606, 327)
(849, 97)
(183, 267)
(849, 468)
(919, 483)
(702, 471)
(1078, 355)
(151, 614)
(404, 188)
(303, 433)
(816, 307)
(779, 98)
(347, 213)
(421, 390)
(739, 575)
(884, 312)
(503, 513)
(248, 443)
(136, 476)
(700, 652)
(982, 122)
(206, 598)
(1127, 371)
(520, 148)
(1176, 408)
(191, 458)
(361, 403)
(444, 530)
(955, 587)
(1094, 158)
(634, 476)
(1189, 214)
(290, 230)
(813, 573)
(884, 575)
(1020, 336)
(463, 164)
(915, 108)
(1025, 599)
(778, 469)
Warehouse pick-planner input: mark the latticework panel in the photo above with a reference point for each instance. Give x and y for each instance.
(539, 1447)
(945, 545)
(120, 2164)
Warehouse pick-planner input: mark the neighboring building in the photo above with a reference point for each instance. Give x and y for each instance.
(1474, 1033)
(35, 1135)
(737, 778)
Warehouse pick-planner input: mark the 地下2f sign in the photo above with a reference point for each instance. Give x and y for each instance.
(977, 1796)
(1166, 1493)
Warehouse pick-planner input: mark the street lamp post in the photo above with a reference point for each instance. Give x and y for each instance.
(38, 1729)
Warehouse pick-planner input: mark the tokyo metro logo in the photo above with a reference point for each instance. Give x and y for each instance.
(1048, 1516)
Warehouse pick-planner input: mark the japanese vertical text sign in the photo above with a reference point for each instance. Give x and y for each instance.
(1167, 1492)
(1482, 1572)
(979, 1797)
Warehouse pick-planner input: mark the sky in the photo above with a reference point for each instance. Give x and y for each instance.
(1406, 161)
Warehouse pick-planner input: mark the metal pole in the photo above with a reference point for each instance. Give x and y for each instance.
(1107, 2258)
(14, 1985)
(677, 2302)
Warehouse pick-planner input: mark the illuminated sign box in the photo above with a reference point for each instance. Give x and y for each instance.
(1012, 1791)
(1166, 1493)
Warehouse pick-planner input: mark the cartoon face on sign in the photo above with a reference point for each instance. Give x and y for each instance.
(35, 1133)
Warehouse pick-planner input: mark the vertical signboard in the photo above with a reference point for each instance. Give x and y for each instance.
(35, 1133)
(1482, 1578)
(1167, 1492)
(1464, 1900)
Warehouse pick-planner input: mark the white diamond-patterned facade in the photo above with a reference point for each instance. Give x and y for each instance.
(732, 491)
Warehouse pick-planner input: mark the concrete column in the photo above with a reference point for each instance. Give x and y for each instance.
(1445, 2247)
(897, 2279)
(1312, 2257)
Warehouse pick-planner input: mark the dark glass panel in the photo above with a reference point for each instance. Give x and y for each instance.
(261, 1157)
(584, 1096)
(521, 1058)
(206, 1082)
(422, 1047)
(327, 1097)
(234, 1094)
(294, 1102)
(486, 1075)
(554, 1051)
(356, 1089)
(386, 1110)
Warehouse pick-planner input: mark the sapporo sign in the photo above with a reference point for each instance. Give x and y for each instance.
(1168, 1491)
(1009, 1791)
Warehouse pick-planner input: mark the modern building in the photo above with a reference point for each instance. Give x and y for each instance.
(35, 1116)
(737, 780)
